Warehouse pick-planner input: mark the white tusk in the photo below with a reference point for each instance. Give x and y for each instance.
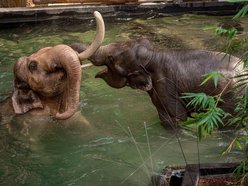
(86, 65)
(100, 32)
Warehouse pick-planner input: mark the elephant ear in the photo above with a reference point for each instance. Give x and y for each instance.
(140, 77)
(25, 100)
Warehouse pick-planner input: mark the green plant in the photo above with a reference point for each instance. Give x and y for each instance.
(243, 11)
(241, 118)
(209, 116)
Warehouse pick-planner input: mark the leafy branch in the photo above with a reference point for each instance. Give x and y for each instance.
(208, 115)
(211, 116)
(242, 12)
(212, 75)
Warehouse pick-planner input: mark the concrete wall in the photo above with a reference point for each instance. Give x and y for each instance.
(84, 1)
(44, 3)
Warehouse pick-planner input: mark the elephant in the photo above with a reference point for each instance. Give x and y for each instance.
(165, 74)
(48, 81)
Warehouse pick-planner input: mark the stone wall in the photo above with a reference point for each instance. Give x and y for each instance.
(44, 3)
(84, 1)
(30, 3)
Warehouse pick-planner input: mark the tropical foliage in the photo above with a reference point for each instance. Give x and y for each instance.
(208, 116)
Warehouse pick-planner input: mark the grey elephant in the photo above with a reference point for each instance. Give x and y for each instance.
(48, 81)
(165, 74)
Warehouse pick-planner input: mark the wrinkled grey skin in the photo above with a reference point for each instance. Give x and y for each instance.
(164, 74)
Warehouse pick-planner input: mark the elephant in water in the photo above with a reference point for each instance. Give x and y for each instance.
(48, 81)
(165, 74)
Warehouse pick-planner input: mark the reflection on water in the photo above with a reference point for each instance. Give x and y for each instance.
(116, 137)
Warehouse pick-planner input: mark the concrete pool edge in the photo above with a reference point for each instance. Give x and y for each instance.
(113, 12)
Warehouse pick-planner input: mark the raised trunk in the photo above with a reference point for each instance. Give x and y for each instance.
(68, 59)
(98, 58)
(72, 66)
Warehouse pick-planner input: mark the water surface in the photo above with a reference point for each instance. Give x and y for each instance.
(118, 139)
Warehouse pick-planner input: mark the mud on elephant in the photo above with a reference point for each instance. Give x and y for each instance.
(48, 81)
(165, 74)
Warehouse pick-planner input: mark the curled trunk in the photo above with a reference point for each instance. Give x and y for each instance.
(71, 64)
(68, 59)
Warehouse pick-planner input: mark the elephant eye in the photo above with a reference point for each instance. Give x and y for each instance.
(111, 59)
(32, 66)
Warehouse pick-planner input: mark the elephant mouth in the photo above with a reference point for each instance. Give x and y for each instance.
(112, 78)
(102, 73)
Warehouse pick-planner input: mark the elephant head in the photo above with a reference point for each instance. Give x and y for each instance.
(52, 73)
(125, 63)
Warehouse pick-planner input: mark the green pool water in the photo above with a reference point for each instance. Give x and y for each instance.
(119, 139)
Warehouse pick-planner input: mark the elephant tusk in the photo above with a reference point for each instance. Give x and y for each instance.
(100, 32)
(86, 65)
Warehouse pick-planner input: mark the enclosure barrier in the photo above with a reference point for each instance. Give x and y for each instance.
(84, 1)
(32, 3)
(125, 11)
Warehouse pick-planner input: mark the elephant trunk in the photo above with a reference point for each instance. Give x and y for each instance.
(70, 62)
(98, 58)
